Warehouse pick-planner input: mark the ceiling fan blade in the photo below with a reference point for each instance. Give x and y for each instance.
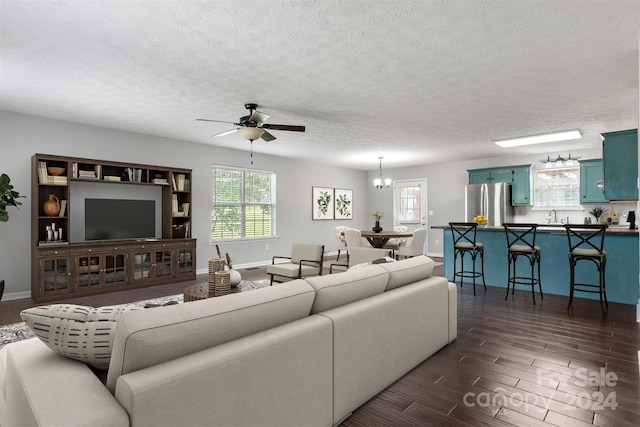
(258, 117)
(284, 127)
(216, 121)
(267, 136)
(227, 132)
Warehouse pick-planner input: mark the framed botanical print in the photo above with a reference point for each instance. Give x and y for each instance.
(343, 203)
(322, 199)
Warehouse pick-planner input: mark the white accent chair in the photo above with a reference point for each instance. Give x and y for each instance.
(306, 260)
(415, 246)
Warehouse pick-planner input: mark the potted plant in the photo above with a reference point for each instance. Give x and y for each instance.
(8, 197)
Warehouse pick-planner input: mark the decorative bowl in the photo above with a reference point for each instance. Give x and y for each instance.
(55, 171)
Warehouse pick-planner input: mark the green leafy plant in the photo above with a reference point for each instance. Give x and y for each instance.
(8, 197)
(323, 202)
(343, 205)
(596, 212)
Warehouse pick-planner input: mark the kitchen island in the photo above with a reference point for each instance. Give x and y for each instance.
(621, 245)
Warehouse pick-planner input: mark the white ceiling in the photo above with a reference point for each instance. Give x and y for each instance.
(414, 81)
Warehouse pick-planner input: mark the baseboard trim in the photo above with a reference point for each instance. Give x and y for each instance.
(16, 295)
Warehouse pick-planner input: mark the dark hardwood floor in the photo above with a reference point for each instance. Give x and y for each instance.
(513, 364)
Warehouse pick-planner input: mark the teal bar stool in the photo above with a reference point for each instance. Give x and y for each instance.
(464, 243)
(521, 243)
(586, 243)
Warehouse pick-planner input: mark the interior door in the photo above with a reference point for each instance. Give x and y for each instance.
(410, 204)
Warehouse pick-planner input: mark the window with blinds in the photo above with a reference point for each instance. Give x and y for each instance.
(243, 203)
(557, 188)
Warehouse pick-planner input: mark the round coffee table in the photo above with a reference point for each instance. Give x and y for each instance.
(201, 291)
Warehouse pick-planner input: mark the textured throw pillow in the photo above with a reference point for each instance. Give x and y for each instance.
(75, 331)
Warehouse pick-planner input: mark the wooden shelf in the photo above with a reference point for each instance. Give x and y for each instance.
(55, 264)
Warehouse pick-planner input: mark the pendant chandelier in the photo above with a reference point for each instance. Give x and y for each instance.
(379, 182)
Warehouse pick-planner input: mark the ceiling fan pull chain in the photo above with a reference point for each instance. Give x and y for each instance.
(251, 150)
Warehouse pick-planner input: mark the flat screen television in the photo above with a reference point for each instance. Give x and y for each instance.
(119, 219)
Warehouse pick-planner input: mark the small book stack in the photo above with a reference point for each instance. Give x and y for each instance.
(112, 178)
(45, 178)
(160, 181)
(85, 174)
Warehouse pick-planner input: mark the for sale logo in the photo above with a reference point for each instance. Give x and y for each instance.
(582, 377)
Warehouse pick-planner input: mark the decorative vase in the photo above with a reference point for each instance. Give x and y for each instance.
(377, 228)
(51, 206)
(235, 277)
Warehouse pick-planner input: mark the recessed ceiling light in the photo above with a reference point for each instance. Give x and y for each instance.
(539, 139)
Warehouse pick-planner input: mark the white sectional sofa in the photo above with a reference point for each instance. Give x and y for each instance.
(302, 353)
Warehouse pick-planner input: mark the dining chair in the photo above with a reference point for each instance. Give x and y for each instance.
(415, 246)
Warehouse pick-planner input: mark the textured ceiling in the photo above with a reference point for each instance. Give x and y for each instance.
(414, 81)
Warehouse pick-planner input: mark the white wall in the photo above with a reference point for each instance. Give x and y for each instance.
(21, 136)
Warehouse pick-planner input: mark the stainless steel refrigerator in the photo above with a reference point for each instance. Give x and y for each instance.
(490, 200)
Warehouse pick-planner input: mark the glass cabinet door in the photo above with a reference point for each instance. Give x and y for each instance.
(115, 269)
(55, 275)
(186, 258)
(163, 263)
(88, 269)
(142, 267)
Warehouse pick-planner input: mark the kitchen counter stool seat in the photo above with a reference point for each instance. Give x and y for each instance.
(464, 243)
(521, 243)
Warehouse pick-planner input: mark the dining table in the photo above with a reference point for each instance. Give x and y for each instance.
(378, 240)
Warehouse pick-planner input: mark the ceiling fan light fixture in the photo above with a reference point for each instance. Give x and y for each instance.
(540, 139)
(250, 133)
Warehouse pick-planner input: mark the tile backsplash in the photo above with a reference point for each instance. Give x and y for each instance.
(574, 216)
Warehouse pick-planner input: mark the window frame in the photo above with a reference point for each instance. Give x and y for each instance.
(575, 182)
(243, 203)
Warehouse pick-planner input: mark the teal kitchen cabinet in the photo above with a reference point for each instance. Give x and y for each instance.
(620, 164)
(490, 176)
(521, 186)
(591, 171)
(518, 176)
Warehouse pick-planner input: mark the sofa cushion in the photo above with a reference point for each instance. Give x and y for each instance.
(339, 289)
(147, 338)
(408, 270)
(79, 332)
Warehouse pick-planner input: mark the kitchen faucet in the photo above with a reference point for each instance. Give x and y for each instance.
(555, 216)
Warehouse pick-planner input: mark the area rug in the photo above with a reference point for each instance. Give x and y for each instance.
(19, 331)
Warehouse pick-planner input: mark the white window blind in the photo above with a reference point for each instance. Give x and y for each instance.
(558, 187)
(243, 203)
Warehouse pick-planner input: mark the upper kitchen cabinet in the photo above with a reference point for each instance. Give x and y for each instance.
(490, 176)
(591, 174)
(521, 186)
(620, 164)
(518, 176)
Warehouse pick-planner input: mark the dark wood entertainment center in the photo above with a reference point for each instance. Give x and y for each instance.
(63, 268)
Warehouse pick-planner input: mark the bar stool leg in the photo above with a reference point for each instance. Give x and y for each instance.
(539, 279)
(532, 262)
(484, 284)
(474, 254)
(571, 280)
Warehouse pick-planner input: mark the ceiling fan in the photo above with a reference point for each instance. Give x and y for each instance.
(253, 126)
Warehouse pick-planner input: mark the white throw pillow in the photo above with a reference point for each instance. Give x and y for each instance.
(75, 331)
